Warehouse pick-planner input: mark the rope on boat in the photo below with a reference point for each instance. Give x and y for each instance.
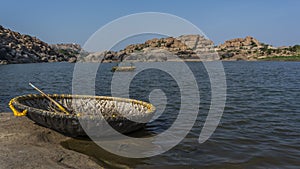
(15, 111)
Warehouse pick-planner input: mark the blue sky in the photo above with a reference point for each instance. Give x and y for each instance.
(64, 21)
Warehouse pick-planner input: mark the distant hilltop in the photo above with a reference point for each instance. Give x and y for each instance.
(18, 48)
(249, 48)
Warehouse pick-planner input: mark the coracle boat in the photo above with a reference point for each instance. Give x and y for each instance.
(123, 68)
(123, 115)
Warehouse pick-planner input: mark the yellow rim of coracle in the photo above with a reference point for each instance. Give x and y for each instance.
(150, 107)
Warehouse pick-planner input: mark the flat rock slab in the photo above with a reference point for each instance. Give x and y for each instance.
(24, 144)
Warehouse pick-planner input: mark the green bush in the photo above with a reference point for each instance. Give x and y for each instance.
(282, 58)
(296, 49)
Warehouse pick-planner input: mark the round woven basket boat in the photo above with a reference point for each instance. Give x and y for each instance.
(87, 113)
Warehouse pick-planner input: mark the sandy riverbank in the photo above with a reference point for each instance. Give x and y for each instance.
(24, 144)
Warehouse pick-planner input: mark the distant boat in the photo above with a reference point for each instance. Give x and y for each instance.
(123, 68)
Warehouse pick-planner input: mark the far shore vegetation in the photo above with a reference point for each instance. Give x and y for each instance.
(295, 49)
(282, 58)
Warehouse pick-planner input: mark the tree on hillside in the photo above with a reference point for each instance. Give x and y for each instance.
(296, 49)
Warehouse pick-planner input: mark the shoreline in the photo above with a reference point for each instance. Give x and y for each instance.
(188, 60)
(24, 144)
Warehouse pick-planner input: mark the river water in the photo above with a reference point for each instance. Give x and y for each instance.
(260, 126)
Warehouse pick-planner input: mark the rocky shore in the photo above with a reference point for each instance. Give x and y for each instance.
(24, 144)
(18, 48)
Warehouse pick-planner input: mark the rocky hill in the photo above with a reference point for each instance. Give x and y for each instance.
(70, 51)
(19, 48)
(187, 47)
(249, 48)
(194, 48)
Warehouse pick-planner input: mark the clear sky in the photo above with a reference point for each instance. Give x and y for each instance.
(274, 22)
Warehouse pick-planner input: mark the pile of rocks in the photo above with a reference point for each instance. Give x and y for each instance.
(158, 50)
(70, 51)
(246, 43)
(19, 48)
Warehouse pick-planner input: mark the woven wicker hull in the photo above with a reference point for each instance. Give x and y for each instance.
(89, 113)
